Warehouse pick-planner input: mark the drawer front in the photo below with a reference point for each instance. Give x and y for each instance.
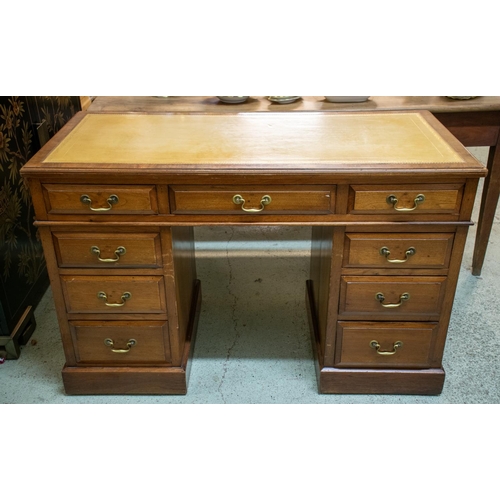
(113, 250)
(391, 297)
(114, 294)
(398, 345)
(398, 250)
(252, 200)
(406, 199)
(120, 342)
(104, 200)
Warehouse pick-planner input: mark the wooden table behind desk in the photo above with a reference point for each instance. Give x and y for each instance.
(474, 122)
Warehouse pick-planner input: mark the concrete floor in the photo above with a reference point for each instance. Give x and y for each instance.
(253, 341)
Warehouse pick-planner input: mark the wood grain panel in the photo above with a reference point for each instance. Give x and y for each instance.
(439, 199)
(432, 250)
(74, 249)
(124, 380)
(219, 199)
(65, 199)
(354, 349)
(81, 294)
(358, 297)
(151, 342)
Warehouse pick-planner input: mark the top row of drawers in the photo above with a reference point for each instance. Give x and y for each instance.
(270, 199)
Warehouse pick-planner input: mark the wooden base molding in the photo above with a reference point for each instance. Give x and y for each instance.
(99, 380)
(378, 381)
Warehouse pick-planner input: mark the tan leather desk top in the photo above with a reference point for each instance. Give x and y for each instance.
(255, 138)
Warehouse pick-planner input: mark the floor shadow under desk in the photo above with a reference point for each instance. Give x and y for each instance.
(253, 285)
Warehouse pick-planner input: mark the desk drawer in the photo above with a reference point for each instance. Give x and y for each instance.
(112, 250)
(406, 199)
(95, 199)
(120, 342)
(394, 297)
(114, 294)
(398, 250)
(263, 200)
(377, 345)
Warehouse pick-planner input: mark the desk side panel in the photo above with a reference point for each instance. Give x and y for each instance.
(180, 279)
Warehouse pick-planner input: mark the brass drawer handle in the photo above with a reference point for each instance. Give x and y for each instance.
(130, 344)
(126, 296)
(380, 297)
(392, 200)
(375, 345)
(386, 252)
(239, 200)
(112, 200)
(118, 252)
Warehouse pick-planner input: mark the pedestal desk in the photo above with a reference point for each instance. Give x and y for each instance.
(389, 197)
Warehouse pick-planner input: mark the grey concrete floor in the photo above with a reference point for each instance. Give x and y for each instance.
(253, 342)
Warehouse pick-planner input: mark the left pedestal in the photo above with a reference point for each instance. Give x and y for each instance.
(128, 301)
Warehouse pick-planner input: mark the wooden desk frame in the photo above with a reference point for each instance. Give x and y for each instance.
(128, 317)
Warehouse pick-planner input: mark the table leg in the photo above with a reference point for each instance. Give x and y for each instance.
(489, 200)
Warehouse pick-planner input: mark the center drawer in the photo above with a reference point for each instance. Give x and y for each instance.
(254, 200)
(114, 294)
(391, 297)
